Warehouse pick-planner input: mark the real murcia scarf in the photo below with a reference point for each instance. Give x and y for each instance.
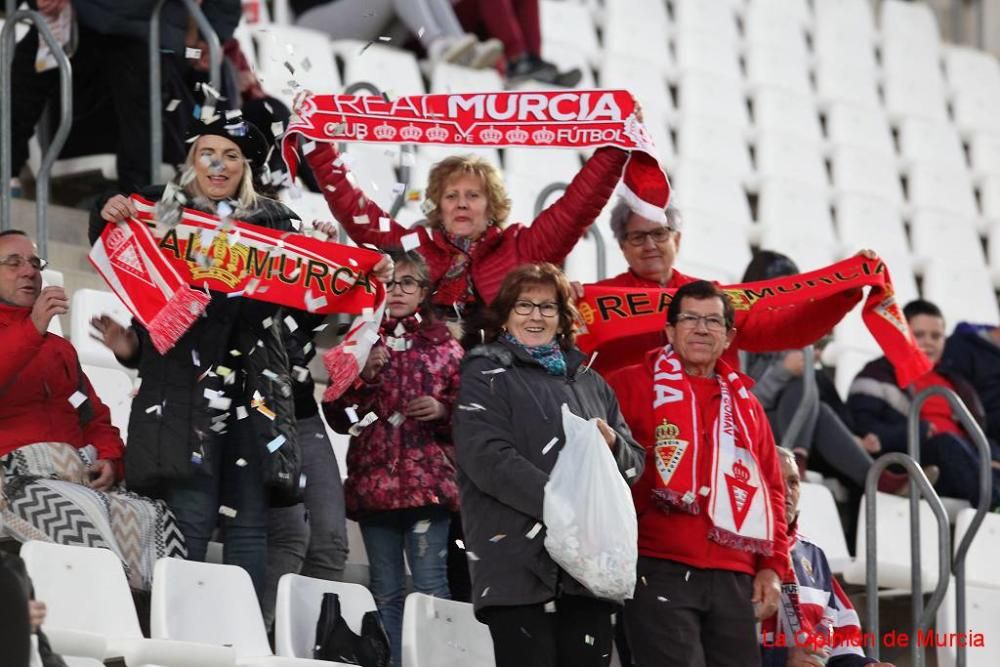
(164, 274)
(554, 119)
(738, 499)
(788, 308)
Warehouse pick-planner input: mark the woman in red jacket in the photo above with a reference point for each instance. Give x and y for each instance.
(466, 241)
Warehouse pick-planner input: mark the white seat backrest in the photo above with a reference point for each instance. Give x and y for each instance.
(298, 607)
(704, 256)
(309, 54)
(982, 616)
(707, 52)
(708, 17)
(856, 170)
(980, 560)
(853, 125)
(935, 187)
(841, 81)
(703, 95)
(909, 22)
(85, 305)
(964, 292)
(571, 24)
(549, 164)
(207, 603)
(777, 109)
(819, 522)
(927, 141)
(908, 96)
(444, 633)
(839, 22)
(796, 209)
(894, 558)
(940, 235)
(864, 221)
(449, 78)
(984, 151)
(620, 70)
(84, 589)
(780, 24)
(770, 66)
(394, 71)
(786, 156)
(638, 29)
(720, 144)
(699, 186)
(114, 388)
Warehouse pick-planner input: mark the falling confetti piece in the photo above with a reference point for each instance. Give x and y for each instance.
(241, 412)
(630, 473)
(494, 371)
(533, 533)
(644, 580)
(687, 575)
(471, 556)
(227, 511)
(396, 419)
(172, 105)
(384, 224)
(361, 219)
(497, 538)
(77, 399)
(196, 458)
(352, 413)
(192, 53)
(471, 407)
(588, 639)
(460, 544)
(662, 599)
(550, 607)
(704, 491)
(549, 445)
(241, 463)
(276, 444)
(485, 591)
(421, 527)
(291, 323)
(410, 241)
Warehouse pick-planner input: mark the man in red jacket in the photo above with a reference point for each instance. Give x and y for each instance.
(713, 545)
(52, 486)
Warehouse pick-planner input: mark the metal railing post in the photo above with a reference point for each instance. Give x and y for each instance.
(6, 110)
(924, 619)
(156, 75)
(972, 428)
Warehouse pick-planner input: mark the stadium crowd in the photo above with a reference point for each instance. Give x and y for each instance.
(474, 361)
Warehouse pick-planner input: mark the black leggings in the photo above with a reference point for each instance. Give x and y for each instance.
(15, 629)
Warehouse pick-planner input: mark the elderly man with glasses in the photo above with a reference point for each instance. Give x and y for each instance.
(60, 456)
(713, 542)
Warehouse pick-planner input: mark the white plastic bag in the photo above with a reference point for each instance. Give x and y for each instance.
(591, 529)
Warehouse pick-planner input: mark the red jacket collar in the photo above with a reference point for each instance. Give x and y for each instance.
(721, 367)
(11, 313)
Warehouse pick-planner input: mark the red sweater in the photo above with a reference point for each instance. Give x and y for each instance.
(683, 537)
(38, 375)
(550, 238)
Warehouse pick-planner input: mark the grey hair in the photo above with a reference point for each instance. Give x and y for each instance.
(787, 453)
(621, 213)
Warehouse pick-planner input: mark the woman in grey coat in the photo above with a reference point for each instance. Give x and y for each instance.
(508, 436)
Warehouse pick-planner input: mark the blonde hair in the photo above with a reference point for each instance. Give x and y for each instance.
(246, 196)
(497, 201)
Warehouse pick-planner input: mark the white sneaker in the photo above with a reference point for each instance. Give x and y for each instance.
(487, 54)
(456, 50)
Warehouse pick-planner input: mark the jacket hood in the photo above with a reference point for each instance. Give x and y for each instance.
(506, 354)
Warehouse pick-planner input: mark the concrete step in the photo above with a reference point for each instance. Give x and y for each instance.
(66, 225)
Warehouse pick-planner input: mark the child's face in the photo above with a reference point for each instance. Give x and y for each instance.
(406, 292)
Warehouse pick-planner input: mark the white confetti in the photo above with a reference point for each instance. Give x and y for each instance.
(277, 127)
(308, 147)
(195, 359)
(227, 511)
(421, 527)
(533, 533)
(398, 188)
(471, 407)
(361, 219)
(241, 463)
(267, 322)
(485, 591)
(396, 419)
(494, 371)
(241, 412)
(276, 444)
(173, 104)
(366, 421)
(687, 575)
(471, 556)
(588, 639)
(384, 224)
(410, 241)
(460, 544)
(550, 607)
(497, 538)
(154, 408)
(704, 491)
(291, 323)
(192, 53)
(551, 443)
(77, 399)
(352, 413)
(662, 599)
(300, 373)
(630, 473)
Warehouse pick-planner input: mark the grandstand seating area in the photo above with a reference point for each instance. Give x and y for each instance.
(810, 127)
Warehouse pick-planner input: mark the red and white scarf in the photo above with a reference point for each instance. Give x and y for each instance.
(738, 500)
(155, 270)
(551, 119)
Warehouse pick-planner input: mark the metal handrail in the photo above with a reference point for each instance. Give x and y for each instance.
(592, 232)
(808, 408)
(972, 429)
(6, 110)
(156, 75)
(921, 617)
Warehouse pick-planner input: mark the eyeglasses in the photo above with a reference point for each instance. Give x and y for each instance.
(691, 321)
(407, 284)
(547, 309)
(659, 235)
(17, 261)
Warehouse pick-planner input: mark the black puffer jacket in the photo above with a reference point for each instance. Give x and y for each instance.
(171, 425)
(504, 464)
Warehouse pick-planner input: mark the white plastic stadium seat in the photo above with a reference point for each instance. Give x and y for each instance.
(770, 66)
(911, 43)
(965, 294)
(90, 605)
(848, 364)
(372, 165)
(939, 236)
(705, 257)
(984, 153)
(786, 156)
(932, 186)
(705, 17)
(565, 57)
(840, 81)
(448, 78)
(908, 96)
(706, 52)
(114, 388)
(213, 604)
(840, 22)
(308, 53)
(443, 633)
(797, 10)
(780, 110)
(819, 522)
(648, 86)
(927, 141)
(700, 187)
(87, 304)
(297, 611)
(638, 29)
(394, 71)
(894, 563)
(856, 170)
(548, 164)
(719, 144)
(778, 25)
(795, 219)
(974, 79)
(853, 125)
(705, 96)
(982, 594)
(570, 24)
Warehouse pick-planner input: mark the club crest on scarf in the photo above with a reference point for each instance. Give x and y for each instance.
(123, 253)
(669, 450)
(741, 492)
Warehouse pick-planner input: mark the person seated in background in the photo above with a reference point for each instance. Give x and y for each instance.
(973, 351)
(878, 405)
(827, 441)
(61, 457)
(712, 536)
(517, 24)
(432, 21)
(816, 623)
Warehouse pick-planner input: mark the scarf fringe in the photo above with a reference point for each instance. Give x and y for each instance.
(343, 368)
(183, 308)
(668, 500)
(734, 541)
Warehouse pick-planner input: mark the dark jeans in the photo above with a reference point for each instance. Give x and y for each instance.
(15, 629)
(205, 500)
(578, 633)
(420, 532)
(959, 464)
(683, 616)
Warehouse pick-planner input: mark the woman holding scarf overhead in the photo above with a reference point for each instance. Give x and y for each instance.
(213, 429)
(466, 240)
(508, 435)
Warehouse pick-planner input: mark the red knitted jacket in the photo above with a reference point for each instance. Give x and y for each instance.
(549, 238)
